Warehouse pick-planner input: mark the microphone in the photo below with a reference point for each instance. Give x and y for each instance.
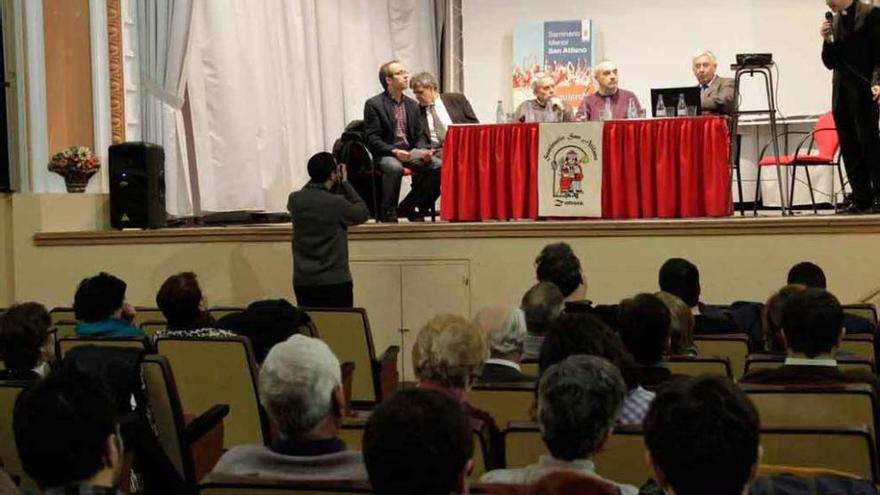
(830, 18)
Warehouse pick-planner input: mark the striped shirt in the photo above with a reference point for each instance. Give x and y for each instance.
(635, 406)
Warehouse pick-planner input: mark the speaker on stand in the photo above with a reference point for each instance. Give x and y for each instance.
(137, 186)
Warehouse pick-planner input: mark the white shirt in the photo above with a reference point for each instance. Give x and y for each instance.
(444, 117)
(504, 362)
(830, 362)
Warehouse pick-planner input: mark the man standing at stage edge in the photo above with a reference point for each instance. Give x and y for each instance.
(852, 50)
(320, 218)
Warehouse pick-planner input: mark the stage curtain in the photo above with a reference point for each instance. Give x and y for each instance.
(273, 81)
(163, 36)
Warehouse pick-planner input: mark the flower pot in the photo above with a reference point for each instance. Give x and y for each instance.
(77, 181)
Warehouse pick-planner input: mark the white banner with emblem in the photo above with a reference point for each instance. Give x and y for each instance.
(570, 170)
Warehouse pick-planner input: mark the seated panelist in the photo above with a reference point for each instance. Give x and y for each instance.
(536, 110)
(610, 102)
(716, 93)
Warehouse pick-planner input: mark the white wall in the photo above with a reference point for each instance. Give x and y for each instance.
(652, 42)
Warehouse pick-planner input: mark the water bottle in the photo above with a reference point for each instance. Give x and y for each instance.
(660, 111)
(682, 109)
(631, 111)
(499, 114)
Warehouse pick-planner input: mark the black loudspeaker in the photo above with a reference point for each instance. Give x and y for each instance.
(137, 186)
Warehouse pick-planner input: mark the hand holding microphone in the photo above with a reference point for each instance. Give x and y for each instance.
(556, 104)
(827, 31)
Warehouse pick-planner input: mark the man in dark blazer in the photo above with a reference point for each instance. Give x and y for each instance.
(851, 49)
(437, 112)
(394, 134)
(716, 93)
(812, 328)
(680, 277)
(504, 328)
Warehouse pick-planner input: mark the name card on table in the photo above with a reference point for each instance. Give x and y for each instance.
(570, 170)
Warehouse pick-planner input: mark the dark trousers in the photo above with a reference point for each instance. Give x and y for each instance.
(855, 115)
(424, 193)
(325, 296)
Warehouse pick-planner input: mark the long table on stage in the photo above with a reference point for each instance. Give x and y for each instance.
(666, 168)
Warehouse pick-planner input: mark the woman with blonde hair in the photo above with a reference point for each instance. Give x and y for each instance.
(448, 356)
(681, 325)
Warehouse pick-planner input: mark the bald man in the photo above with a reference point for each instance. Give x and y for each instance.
(609, 102)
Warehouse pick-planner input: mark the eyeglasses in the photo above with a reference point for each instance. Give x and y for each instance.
(403, 72)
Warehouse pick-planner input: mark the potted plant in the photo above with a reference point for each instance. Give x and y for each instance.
(77, 165)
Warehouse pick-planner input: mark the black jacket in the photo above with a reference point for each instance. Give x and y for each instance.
(379, 125)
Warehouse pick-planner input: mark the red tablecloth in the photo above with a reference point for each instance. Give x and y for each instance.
(668, 168)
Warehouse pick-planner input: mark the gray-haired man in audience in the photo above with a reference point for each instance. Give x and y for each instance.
(578, 401)
(542, 304)
(504, 328)
(301, 389)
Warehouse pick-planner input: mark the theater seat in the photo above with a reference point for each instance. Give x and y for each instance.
(9, 391)
(65, 344)
(505, 402)
(699, 365)
(848, 449)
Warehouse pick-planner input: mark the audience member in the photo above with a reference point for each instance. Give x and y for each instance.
(811, 275)
(574, 334)
(716, 93)
(542, 304)
(418, 442)
(186, 312)
(504, 329)
(545, 106)
(447, 356)
(578, 401)
(680, 277)
(812, 327)
(320, 219)
(301, 389)
(610, 102)
(392, 124)
(437, 112)
(702, 437)
(559, 483)
(772, 318)
(643, 323)
(67, 435)
(558, 264)
(100, 308)
(267, 323)
(27, 346)
(681, 325)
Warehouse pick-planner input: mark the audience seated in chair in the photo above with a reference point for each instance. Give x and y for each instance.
(681, 325)
(67, 435)
(680, 277)
(418, 442)
(643, 323)
(560, 483)
(574, 334)
(185, 309)
(26, 344)
(558, 264)
(811, 275)
(267, 323)
(301, 389)
(504, 328)
(448, 355)
(578, 401)
(542, 304)
(101, 310)
(772, 318)
(812, 328)
(702, 437)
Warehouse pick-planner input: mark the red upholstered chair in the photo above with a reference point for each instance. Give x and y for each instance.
(819, 147)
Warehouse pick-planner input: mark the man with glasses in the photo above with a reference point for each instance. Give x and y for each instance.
(394, 134)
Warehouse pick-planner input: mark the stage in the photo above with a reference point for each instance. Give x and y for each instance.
(405, 273)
